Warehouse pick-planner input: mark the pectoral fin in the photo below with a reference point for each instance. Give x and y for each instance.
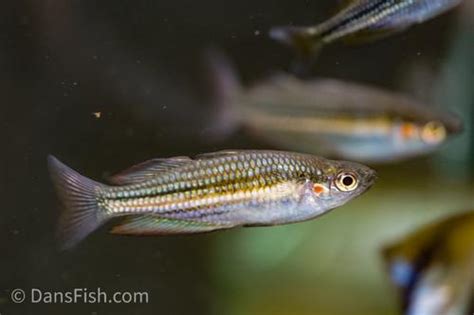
(156, 225)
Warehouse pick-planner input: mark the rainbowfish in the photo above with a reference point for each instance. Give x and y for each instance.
(329, 117)
(362, 19)
(214, 191)
(433, 268)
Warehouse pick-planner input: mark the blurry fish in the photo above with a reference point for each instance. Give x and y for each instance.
(329, 117)
(214, 191)
(362, 19)
(433, 268)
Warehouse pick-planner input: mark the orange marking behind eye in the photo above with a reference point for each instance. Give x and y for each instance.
(319, 189)
(408, 130)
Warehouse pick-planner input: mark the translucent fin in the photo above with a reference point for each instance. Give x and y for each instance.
(155, 225)
(218, 154)
(343, 4)
(81, 214)
(148, 169)
(225, 86)
(303, 39)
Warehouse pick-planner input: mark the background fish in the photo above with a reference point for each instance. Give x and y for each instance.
(363, 19)
(433, 267)
(330, 117)
(215, 191)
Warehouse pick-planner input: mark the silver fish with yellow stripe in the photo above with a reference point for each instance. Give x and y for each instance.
(330, 117)
(215, 191)
(362, 19)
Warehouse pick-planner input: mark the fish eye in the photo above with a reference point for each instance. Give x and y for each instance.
(433, 132)
(346, 181)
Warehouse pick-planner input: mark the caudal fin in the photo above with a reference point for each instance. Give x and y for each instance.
(225, 87)
(78, 194)
(303, 41)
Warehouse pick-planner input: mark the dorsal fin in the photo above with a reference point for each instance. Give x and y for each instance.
(147, 170)
(218, 154)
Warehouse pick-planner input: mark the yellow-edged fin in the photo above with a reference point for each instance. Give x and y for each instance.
(156, 225)
(147, 170)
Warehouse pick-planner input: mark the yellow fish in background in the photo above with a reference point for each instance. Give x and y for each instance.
(362, 19)
(329, 117)
(433, 268)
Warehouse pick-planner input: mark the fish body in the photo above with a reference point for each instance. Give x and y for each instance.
(215, 191)
(433, 268)
(363, 19)
(333, 118)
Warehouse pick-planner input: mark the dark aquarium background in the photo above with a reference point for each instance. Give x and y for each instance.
(103, 85)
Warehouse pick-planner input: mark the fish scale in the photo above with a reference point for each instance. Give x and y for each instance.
(234, 169)
(208, 179)
(367, 17)
(351, 16)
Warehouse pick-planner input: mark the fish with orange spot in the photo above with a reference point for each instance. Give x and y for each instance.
(215, 191)
(329, 117)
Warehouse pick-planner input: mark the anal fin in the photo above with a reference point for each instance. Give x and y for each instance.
(156, 225)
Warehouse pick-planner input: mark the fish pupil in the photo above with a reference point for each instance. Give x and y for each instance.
(348, 181)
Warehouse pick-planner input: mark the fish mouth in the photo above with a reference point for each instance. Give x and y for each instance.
(373, 177)
(454, 124)
(370, 178)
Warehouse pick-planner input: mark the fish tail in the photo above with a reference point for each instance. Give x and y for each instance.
(304, 40)
(225, 85)
(78, 195)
